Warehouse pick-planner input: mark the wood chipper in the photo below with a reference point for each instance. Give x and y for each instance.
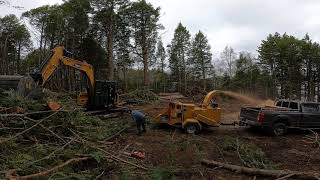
(190, 117)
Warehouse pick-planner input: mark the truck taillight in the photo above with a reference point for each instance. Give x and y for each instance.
(261, 117)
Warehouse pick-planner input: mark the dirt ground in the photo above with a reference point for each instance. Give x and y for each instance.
(170, 148)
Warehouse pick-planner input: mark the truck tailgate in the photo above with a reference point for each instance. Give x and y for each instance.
(249, 113)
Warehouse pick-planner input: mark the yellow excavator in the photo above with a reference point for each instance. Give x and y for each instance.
(190, 117)
(98, 95)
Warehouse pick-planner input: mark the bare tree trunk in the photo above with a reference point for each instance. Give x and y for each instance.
(204, 77)
(125, 79)
(184, 73)
(318, 92)
(204, 80)
(52, 41)
(41, 40)
(180, 80)
(18, 59)
(5, 57)
(145, 64)
(1, 59)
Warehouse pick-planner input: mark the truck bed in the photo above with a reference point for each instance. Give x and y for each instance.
(249, 115)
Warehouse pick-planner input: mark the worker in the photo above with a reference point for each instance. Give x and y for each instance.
(140, 120)
(214, 103)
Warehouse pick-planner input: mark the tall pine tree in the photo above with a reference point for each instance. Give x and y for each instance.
(144, 27)
(200, 58)
(179, 50)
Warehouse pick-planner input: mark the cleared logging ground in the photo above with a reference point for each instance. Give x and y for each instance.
(70, 144)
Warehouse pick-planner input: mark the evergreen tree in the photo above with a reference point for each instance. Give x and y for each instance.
(180, 47)
(106, 20)
(14, 38)
(200, 59)
(161, 56)
(144, 25)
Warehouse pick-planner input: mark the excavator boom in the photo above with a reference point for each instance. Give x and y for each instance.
(100, 94)
(59, 57)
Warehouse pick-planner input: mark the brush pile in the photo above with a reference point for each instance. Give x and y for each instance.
(37, 143)
(140, 96)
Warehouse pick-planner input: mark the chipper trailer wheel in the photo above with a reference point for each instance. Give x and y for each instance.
(192, 128)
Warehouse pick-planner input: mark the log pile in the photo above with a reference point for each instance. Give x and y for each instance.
(22, 84)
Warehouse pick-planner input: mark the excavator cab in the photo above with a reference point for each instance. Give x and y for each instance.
(105, 96)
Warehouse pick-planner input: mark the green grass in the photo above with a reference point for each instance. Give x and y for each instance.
(161, 173)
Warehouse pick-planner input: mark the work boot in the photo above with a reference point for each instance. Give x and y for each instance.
(144, 128)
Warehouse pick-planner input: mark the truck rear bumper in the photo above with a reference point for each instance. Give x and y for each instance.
(246, 122)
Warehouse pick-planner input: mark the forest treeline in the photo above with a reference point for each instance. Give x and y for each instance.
(122, 40)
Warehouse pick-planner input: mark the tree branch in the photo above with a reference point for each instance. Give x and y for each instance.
(262, 172)
(36, 124)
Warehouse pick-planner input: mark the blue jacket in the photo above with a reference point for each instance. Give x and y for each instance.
(138, 116)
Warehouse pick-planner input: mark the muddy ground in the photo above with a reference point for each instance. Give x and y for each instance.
(173, 154)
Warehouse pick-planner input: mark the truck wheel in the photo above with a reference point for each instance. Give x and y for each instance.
(279, 129)
(192, 128)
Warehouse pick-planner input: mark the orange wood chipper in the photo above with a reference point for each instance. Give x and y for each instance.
(192, 118)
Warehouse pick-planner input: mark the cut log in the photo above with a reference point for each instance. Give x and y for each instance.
(261, 172)
(22, 84)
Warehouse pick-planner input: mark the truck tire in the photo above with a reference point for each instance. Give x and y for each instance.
(279, 129)
(192, 128)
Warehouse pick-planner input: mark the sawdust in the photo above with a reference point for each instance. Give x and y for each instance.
(243, 98)
(268, 102)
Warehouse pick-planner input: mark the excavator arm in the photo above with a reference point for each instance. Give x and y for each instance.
(61, 57)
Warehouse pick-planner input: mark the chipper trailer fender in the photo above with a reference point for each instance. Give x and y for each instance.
(192, 118)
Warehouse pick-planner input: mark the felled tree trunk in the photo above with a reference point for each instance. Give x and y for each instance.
(261, 172)
(22, 84)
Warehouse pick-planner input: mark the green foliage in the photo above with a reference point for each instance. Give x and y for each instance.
(13, 99)
(200, 59)
(178, 55)
(126, 176)
(140, 95)
(28, 157)
(160, 56)
(290, 61)
(53, 142)
(143, 22)
(249, 155)
(160, 173)
(14, 38)
(98, 156)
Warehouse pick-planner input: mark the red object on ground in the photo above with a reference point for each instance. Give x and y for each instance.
(138, 154)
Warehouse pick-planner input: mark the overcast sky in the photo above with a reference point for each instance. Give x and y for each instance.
(241, 24)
